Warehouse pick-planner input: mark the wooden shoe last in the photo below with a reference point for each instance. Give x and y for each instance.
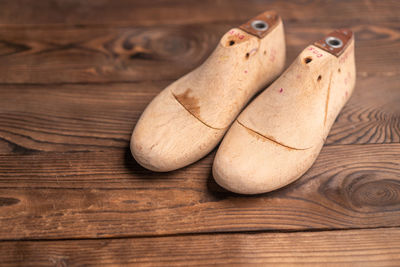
(189, 117)
(279, 135)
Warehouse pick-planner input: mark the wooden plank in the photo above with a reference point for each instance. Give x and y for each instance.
(372, 114)
(191, 11)
(107, 194)
(102, 55)
(71, 117)
(377, 247)
(74, 78)
(70, 54)
(102, 116)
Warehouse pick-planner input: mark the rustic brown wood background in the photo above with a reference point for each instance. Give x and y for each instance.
(76, 75)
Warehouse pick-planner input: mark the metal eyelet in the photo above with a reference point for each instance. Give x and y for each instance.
(334, 42)
(259, 25)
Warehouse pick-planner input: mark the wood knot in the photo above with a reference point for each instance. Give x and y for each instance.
(127, 45)
(155, 45)
(373, 194)
(8, 201)
(177, 44)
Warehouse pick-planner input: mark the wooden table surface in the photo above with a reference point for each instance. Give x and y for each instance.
(76, 75)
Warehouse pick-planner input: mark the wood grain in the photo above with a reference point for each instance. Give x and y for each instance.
(97, 117)
(107, 194)
(137, 12)
(372, 114)
(378, 247)
(72, 54)
(82, 55)
(76, 75)
(71, 118)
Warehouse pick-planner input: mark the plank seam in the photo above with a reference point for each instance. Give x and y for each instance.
(255, 232)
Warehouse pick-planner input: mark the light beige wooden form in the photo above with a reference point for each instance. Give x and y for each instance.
(280, 134)
(188, 118)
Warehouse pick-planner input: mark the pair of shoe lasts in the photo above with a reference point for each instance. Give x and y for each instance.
(278, 136)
